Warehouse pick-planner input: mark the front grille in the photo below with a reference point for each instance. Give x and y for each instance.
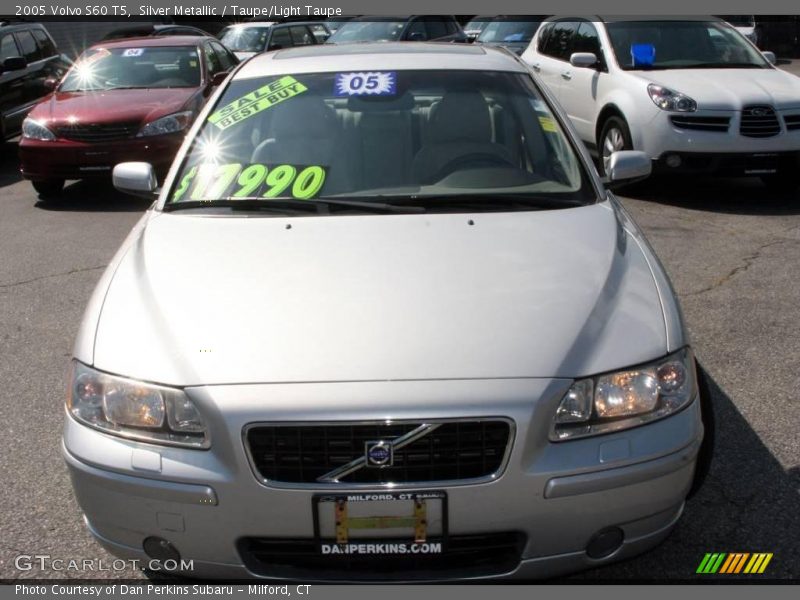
(759, 122)
(792, 122)
(463, 556)
(719, 124)
(301, 454)
(98, 133)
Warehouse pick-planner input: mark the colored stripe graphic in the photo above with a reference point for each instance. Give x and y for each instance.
(734, 563)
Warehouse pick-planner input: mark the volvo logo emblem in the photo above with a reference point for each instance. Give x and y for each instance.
(379, 453)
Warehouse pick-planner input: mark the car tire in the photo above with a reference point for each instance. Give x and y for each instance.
(48, 188)
(706, 452)
(784, 182)
(614, 136)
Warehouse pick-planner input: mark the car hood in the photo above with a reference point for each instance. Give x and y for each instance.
(731, 89)
(221, 300)
(111, 106)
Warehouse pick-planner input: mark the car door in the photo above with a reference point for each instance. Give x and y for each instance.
(579, 85)
(33, 79)
(11, 88)
(552, 59)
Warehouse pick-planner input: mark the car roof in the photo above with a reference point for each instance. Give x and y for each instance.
(622, 18)
(382, 56)
(150, 41)
(251, 24)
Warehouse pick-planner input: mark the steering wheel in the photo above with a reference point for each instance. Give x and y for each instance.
(472, 160)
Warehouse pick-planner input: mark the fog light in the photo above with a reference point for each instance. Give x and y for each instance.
(604, 543)
(160, 549)
(673, 161)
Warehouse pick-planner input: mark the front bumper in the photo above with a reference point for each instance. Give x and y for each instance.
(557, 496)
(724, 151)
(65, 159)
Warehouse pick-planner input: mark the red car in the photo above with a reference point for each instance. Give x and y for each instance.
(128, 100)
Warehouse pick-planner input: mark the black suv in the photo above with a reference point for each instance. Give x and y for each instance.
(28, 58)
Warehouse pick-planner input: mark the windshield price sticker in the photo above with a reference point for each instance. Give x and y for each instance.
(208, 182)
(256, 101)
(133, 52)
(548, 124)
(371, 83)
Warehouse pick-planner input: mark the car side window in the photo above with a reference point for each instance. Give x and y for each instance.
(436, 28)
(451, 27)
(280, 38)
(541, 42)
(46, 45)
(417, 28)
(587, 40)
(213, 66)
(28, 46)
(301, 36)
(224, 57)
(559, 41)
(8, 47)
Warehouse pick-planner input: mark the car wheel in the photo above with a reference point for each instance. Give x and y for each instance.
(48, 188)
(614, 136)
(781, 182)
(706, 452)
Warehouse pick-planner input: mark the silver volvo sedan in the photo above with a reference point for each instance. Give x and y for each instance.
(384, 321)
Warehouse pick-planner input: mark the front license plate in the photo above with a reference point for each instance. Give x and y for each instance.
(761, 164)
(381, 523)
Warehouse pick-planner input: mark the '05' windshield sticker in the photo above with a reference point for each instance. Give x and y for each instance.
(372, 83)
(133, 52)
(253, 103)
(208, 182)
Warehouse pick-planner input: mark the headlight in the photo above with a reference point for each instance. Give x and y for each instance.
(666, 99)
(33, 130)
(133, 409)
(169, 124)
(626, 398)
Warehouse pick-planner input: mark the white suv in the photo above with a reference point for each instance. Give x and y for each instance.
(693, 94)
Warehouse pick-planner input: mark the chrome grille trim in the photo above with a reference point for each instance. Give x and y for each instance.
(91, 132)
(792, 122)
(759, 122)
(696, 123)
(366, 486)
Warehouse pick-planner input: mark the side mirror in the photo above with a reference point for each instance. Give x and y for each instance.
(136, 178)
(50, 84)
(585, 60)
(627, 166)
(15, 63)
(218, 78)
(770, 56)
(417, 36)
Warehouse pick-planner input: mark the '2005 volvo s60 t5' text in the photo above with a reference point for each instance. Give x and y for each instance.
(383, 307)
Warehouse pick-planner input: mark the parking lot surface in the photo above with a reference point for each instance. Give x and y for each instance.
(730, 246)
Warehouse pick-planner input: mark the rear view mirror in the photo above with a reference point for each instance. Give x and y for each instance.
(626, 166)
(770, 56)
(50, 84)
(136, 178)
(14, 63)
(583, 59)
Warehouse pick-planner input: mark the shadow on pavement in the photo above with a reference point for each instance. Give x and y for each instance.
(748, 504)
(94, 196)
(742, 195)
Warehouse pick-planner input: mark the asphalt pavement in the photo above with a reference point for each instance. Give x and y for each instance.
(731, 248)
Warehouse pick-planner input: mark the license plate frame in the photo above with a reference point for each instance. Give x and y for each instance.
(345, 524)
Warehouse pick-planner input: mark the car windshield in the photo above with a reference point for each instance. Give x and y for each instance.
(368, 31)
(681, 45)
(433, 138)
(245, 39)
(509, 31)
(477, 24)
(129, 68)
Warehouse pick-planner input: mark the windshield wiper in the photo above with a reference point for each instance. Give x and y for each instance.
(488, 202)
(318, 205)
